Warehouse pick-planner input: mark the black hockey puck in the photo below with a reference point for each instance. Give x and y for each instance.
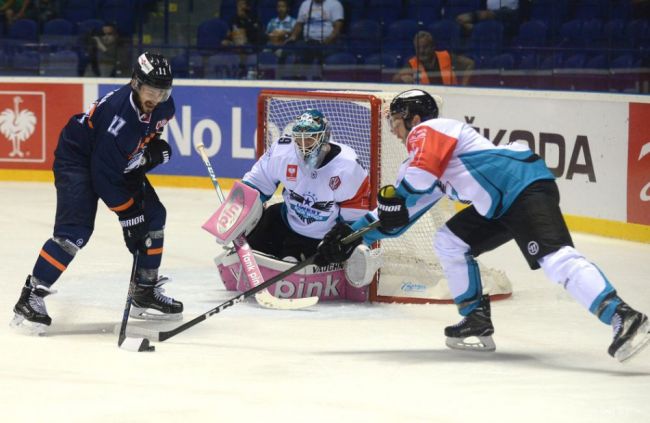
(145, 347)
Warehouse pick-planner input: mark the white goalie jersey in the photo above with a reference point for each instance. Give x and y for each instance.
(314, 198)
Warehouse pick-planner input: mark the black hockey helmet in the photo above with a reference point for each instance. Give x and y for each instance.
(153, 70)
(414, 102)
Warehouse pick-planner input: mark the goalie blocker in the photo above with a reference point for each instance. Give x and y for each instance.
(348, 281)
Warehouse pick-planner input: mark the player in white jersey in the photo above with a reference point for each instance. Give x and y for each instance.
(513, 195)
(323, 183)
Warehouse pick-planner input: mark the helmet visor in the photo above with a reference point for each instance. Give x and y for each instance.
(158, 95)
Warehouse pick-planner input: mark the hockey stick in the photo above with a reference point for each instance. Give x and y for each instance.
(247, 259)
(124, 342)
(164, 335)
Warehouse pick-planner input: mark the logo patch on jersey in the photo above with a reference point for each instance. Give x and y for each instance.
(284, 140)
(335, 182)
(308, 209)
(160, 124)
(292, 172)
(533, 248)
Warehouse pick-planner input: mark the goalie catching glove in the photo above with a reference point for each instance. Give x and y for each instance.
(391, 208)
(331, 249)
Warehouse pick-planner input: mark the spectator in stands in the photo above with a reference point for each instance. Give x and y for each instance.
(280, 28)
(4, 6)
(43, 11)
(104, 53)
(319, 23)
(431, 66)
(505, 11)
(16, 10)
(245, 28)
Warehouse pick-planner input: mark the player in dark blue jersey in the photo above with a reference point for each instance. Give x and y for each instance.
(105, 154)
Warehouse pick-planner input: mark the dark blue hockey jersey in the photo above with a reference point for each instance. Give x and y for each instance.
(109, 139)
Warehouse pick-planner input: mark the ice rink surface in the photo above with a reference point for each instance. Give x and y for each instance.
(334, 363)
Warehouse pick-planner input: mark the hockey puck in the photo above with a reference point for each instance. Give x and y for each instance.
(145, 347)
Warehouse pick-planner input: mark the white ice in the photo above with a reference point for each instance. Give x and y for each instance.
(336, 362)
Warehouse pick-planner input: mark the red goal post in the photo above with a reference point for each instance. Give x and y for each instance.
(411, 273)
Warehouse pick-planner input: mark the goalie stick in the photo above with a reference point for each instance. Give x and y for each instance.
(253, 273)
(165, 335)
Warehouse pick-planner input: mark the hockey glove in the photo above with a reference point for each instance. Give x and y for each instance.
(331, 249)
(391, 208)
(135, 230)
(158, 152)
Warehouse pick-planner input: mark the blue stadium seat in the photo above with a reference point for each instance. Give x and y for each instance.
(425, 11)
(486, 39)
(592, 32)
(26, 63)
(614, 33)
(532, 36)
(78, 10)
(571, 35)
(575, 61)
(24, 30)
(552, 12)
(266, 10)
(210, 33)
(354, 10)
(446, 33)
(590, 9)
(121, 12)
(385, 60)
(224, 66)
(59, 26)
(90, 25)
(598, 61)
(340, 58)
(624, 61)
(454, 8)
(363, 36)
(399, 35)
(636, 33)
(60, 63)
(384, 11)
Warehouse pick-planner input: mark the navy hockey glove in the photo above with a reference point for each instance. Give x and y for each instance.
(331, 249)
(158, 152)
(391, 208)
(135, 230)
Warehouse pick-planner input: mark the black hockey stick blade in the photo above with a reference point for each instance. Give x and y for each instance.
(165, 335)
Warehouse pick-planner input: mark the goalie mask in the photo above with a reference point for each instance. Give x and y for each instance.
(413, 102)
(310, 132)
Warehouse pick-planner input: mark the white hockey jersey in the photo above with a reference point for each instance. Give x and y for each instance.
(447, 156)
(314, 198)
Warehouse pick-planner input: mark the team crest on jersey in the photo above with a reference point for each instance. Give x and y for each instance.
(292, 172)
(308, 209)
(335, 182)
(160, 124)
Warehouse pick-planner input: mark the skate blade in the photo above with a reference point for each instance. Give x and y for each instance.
(24, 326)
(472, 343)
(150, 314)
(638, 342)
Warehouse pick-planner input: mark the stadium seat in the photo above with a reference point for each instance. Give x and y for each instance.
(598, 61)
(424, 11)
(552, 12)
(575, 61)
(26, 63)
(486, 39)
(78, 10)
(224, 66)
(89, 25)
(399, 35)
(60, 63)
(505, 61)
(354, 10)
(454, 8)
(24, 30)
(210, 33)
(570, 36)
(636, 33)
(532, 37)
(59, 34)
(363, 36)
(59, 26)
(446, 33)
(384, 11)
(121, 12)
(590, 9)
(614, 33)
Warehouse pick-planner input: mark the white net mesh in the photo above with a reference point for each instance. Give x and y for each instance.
(410, 268)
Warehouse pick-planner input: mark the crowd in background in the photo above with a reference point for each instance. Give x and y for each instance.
(451, 42)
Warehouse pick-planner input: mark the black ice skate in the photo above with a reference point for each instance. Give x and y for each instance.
(631, 332)
(474, 332)
(31, 315)
(150, 303)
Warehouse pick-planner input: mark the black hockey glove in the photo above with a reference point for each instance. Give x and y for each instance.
(157, 152)
(331, 249)
(135, 230)
(391, 208)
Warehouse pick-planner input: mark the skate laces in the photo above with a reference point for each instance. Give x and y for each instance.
(617, 323)
(159, 291)
(36, 296)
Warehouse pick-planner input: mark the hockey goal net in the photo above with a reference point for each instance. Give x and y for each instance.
(411, 272)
